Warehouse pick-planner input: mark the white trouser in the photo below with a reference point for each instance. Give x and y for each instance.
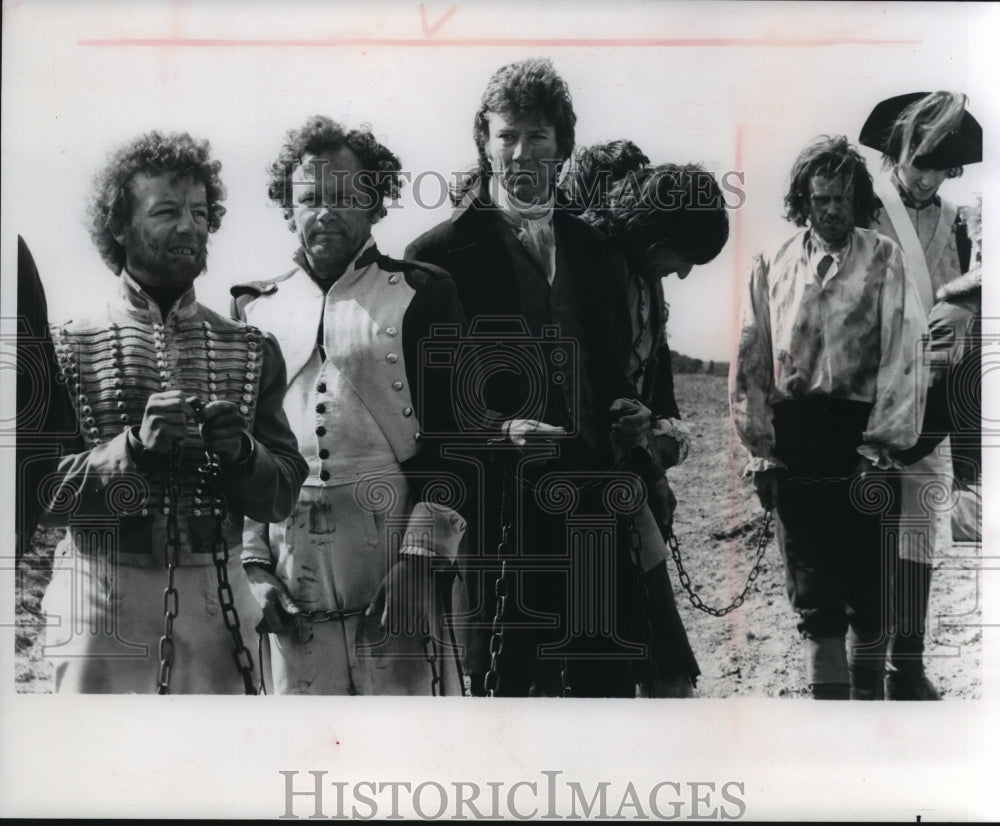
(927, 502)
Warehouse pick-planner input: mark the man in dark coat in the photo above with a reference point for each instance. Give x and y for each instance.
(537, 286)
(44, 415)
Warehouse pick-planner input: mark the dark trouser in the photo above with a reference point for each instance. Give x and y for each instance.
(834, 559)
(567, 622)
(571, 585)
(671, 648)
(830, 527)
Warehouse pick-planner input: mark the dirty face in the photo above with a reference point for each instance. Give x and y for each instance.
(831, 208)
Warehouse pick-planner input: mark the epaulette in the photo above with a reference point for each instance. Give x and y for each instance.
(254, 289)
(418, 273)
(243, 294)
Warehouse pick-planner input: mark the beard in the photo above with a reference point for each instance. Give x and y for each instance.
(163, 270)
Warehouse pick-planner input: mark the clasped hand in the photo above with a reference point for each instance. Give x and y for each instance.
(633, 422)
(165, 421)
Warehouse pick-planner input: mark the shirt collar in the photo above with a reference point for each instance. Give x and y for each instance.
(907, 199)
(816, 252)
(366, 254)
(144, 306)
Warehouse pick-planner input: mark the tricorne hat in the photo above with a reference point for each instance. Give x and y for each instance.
(961, 145)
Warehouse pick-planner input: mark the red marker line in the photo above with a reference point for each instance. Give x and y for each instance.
(574, 42)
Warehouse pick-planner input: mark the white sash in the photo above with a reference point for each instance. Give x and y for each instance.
(913, 251)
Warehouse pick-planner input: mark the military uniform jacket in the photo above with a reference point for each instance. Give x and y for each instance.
(382, 306)
(946, 247)
(111, 362)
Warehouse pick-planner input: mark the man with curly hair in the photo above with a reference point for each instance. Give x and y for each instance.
(356, 583)
(663, 220)
(533, 279)
(925, 139)
(181, 434)
(823, 389)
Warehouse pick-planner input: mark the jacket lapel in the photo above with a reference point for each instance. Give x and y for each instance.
(942, 235)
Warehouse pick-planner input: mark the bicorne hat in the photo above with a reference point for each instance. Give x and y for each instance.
(958, 147)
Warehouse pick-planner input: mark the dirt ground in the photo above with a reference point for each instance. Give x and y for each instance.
(753, 651)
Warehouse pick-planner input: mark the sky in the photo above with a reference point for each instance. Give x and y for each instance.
(728, 85)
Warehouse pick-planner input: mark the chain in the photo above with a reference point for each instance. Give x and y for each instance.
(496, 632)
(675, 552)
(500, 589)
(329, 615)
(210, 473)
(431, 655)
(567, 688)
(642, 591)
(463, 681)
(172, 490)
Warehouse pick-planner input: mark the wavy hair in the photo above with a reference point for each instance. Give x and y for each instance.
(592, 171)
(830, 157)
(152, 153)
(680, 206)
(527, 87)
(379, 166)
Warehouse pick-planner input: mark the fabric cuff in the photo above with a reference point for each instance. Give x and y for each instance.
(255, 545)
(759, 464)
(247, 461)
(677, 429)
(433, 530)
(879, 457)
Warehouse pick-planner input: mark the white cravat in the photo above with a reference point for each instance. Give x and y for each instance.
(533, 227)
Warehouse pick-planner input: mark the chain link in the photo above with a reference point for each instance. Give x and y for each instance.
(210, 473)
(431, 655)
(496, 632)
(329, 614)
(172, 489)
(696, 601)
(642, 592)
(500, 590)
(567, 686)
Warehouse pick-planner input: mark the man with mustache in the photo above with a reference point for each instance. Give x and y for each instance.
(356, 583)
(537, 286)
(181, 433)
(823, 389)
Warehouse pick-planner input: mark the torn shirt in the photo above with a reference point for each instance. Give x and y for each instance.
(853, 334)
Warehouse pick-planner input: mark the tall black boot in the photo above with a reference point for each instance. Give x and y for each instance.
(906, 679)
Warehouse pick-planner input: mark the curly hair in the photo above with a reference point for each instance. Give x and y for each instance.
(152, 153)
(677, 205)
(319, 134)
(830, 157)
(593, 170)
(527, 87)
